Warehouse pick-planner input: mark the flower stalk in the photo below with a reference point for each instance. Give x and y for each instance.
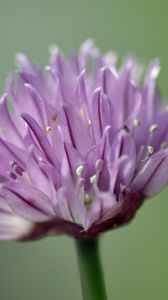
(92, 281)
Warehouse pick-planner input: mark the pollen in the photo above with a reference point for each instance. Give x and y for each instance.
(163, 145)
(136, 122)
(48, 128)
(79, 170)
(54, 118)
(99, 165)
(153, 128)
(93, 179)
(87, 200)
(81, 112)
(150, 149)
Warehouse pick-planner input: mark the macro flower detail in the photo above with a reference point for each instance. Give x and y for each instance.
(82, 144)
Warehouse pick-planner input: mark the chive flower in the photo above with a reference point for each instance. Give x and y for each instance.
(82, 144)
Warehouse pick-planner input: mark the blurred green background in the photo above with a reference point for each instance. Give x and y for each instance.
(135, 258)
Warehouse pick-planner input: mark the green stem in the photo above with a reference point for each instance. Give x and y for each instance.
(93, 287)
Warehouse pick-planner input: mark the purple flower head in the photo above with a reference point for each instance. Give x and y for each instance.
(81, 145)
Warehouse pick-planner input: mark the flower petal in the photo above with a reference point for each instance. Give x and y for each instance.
(102, 205)
(101, 113)
(73, 127)
(153, 176)
(8, 126)
(28, 202)
(12, 227)
(40, 136)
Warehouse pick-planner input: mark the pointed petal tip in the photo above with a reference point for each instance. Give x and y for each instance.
(4, 97)
(25, 116)
(21, 61)
(109, 70)
(20, 57)
(87, 44)
(97, 92)
(28, 85)
(48, 69)
(53, 49)
(156, 66)
(31, 89)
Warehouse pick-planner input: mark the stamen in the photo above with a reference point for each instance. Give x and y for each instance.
(87, 200)
(99, 165)
(125, 127)
(12, 175)
(81, 112)
(163, 145)
(150, 149)
(153, 128)
(13, 163)
(122, 188)
(48, 128)
(79, 170)
(81, 182)
(54, 118)
(136, 122)
(19, 170)
(90, 122)
(93, 179)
